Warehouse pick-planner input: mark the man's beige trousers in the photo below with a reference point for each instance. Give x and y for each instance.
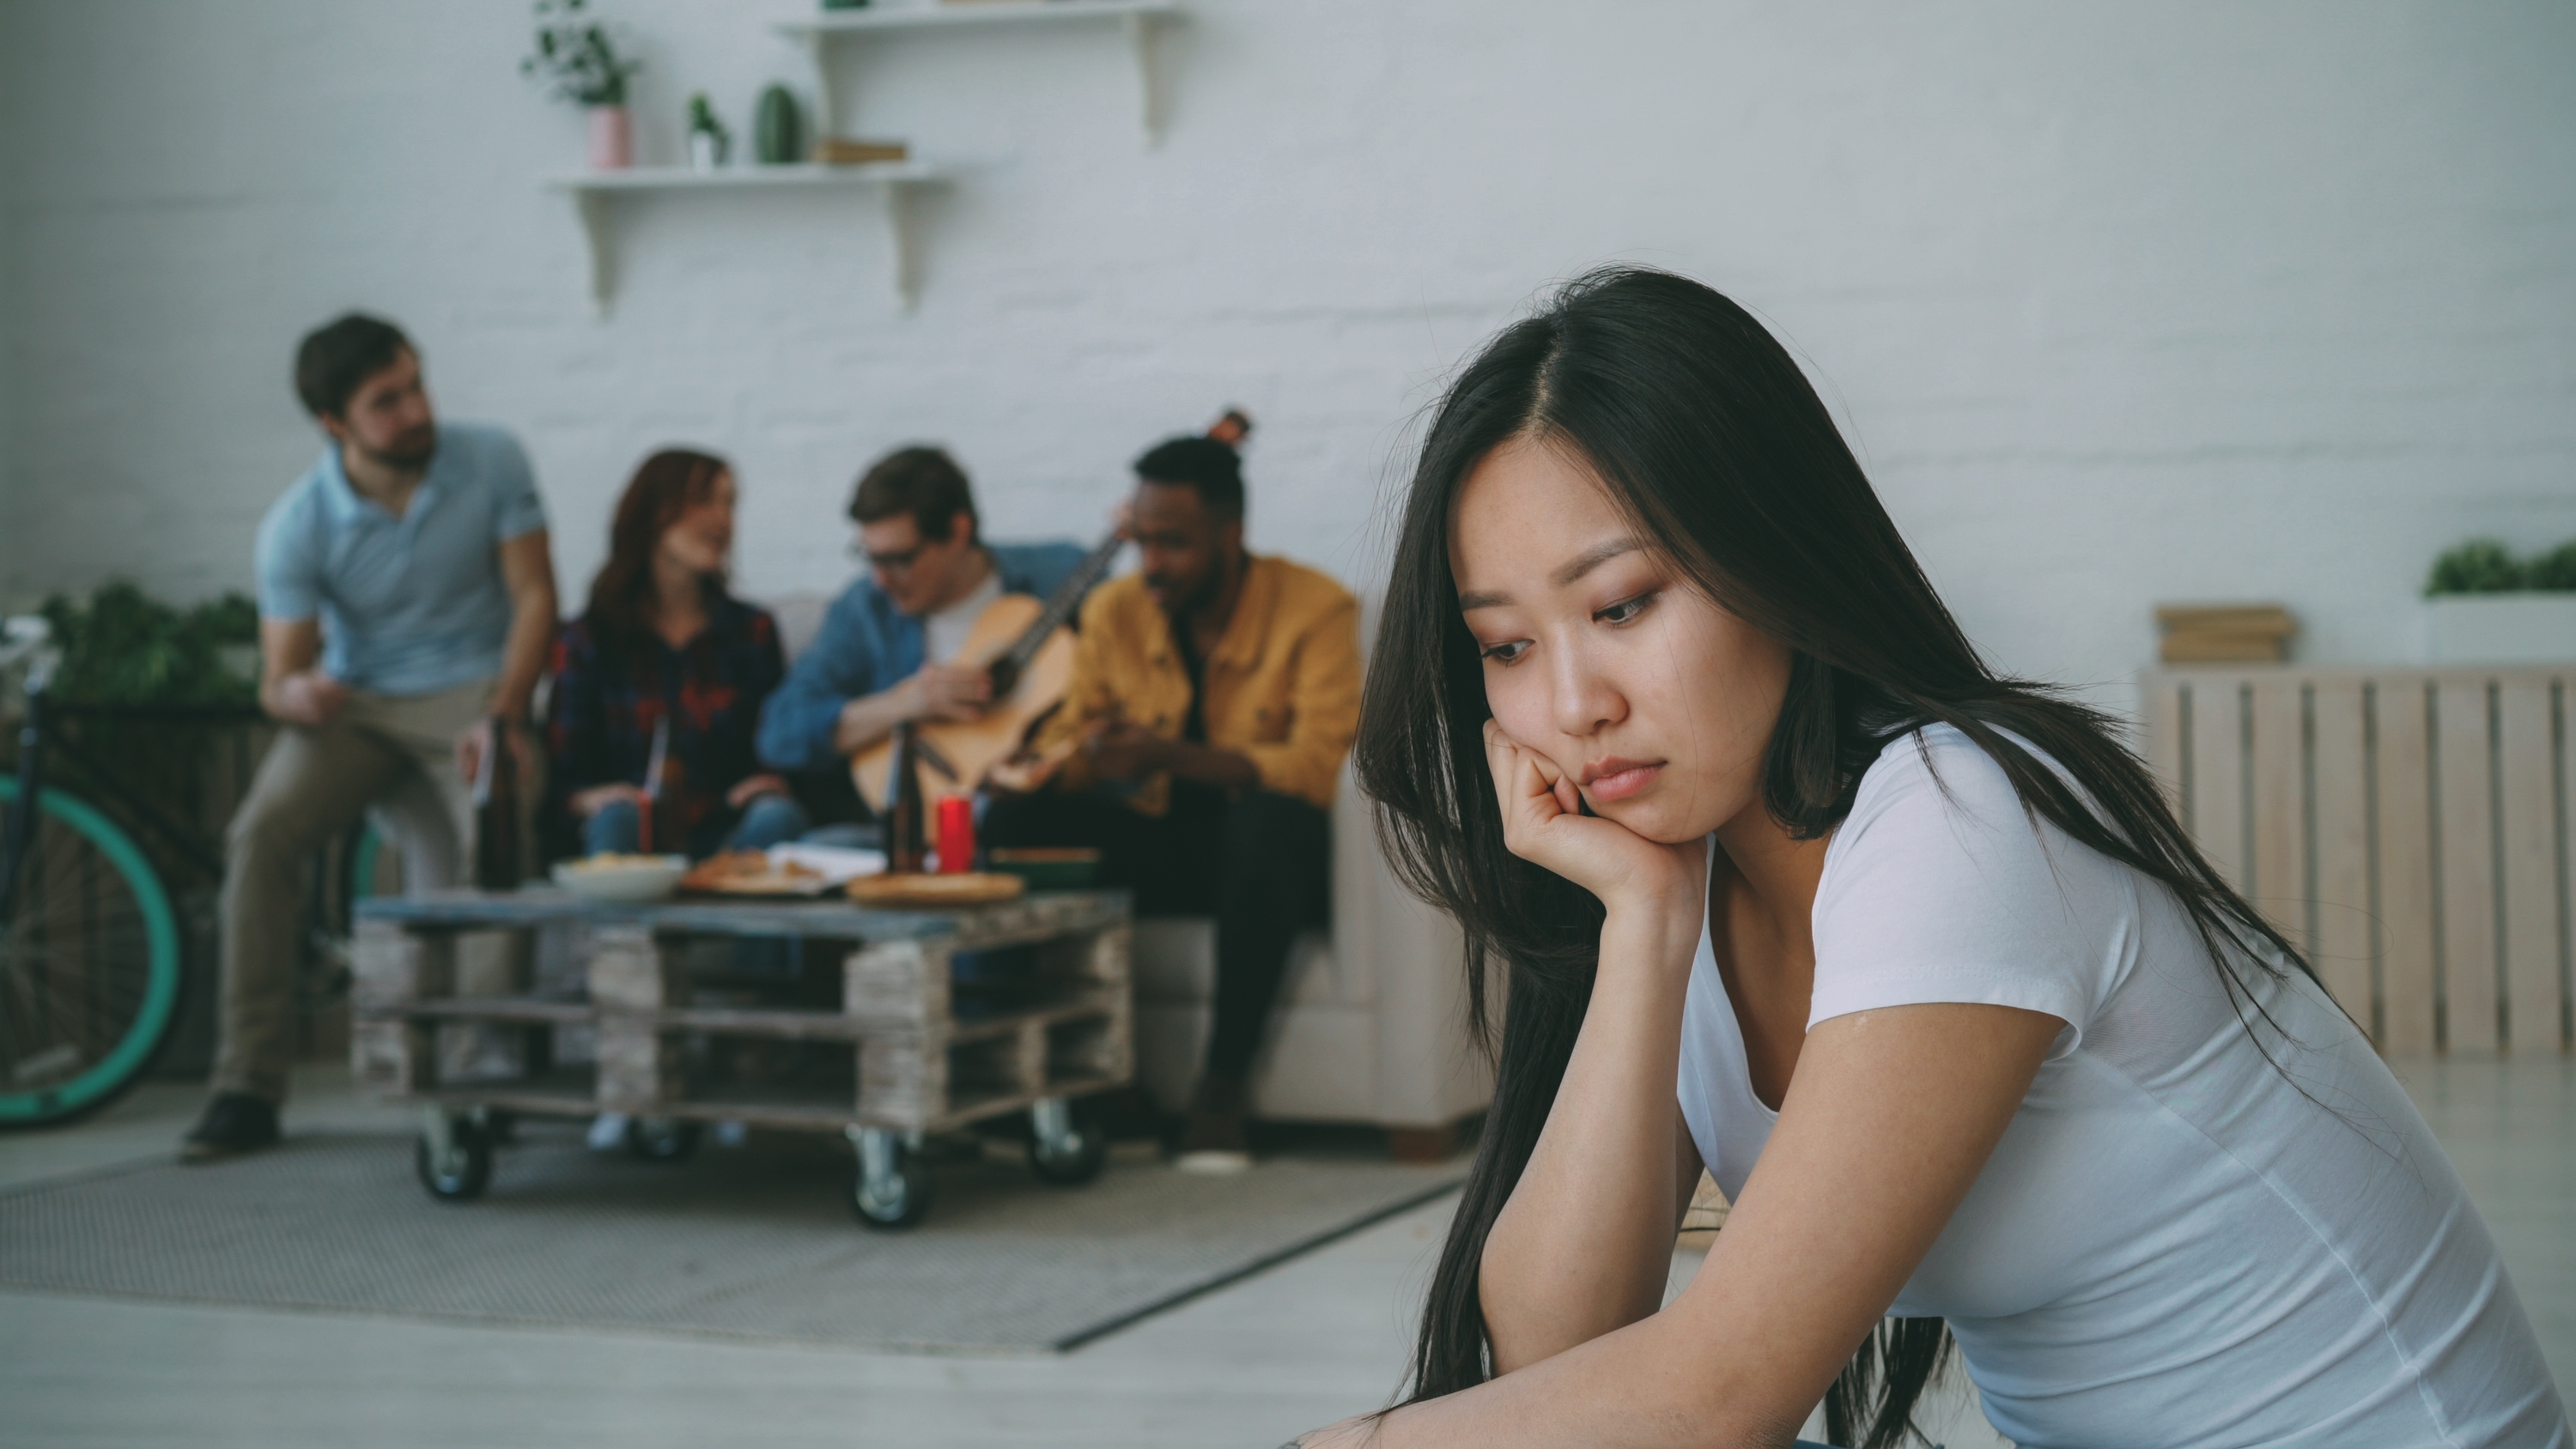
(394, 755)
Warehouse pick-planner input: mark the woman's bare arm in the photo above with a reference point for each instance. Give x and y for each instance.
(1586, 1242)
(1888, 1121)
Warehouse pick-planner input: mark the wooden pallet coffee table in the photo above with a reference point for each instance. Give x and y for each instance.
(903, 1051)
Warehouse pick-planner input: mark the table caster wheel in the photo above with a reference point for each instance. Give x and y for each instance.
(890, 1188)
(661, 1139)
(454, 1159)
(1066, 1146)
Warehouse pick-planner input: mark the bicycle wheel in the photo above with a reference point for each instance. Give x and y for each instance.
(366, 853)
(89, 966)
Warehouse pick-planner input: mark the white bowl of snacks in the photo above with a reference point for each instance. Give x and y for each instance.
(624, 878)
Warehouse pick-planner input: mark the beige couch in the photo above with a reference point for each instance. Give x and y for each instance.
(1370, 1026)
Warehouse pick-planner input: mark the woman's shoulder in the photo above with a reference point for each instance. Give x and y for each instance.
(1935, 796)
(1938, 769)
(1930, 793)
(1942, 885)
(577, 636)
(1936, 772)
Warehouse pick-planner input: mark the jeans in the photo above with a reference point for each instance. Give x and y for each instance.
(616, 828)
(1261, 863)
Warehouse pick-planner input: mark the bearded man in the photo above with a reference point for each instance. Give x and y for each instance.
(1214, 697)
(406, 601)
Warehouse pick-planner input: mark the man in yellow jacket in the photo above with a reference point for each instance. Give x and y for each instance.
(1215, 694)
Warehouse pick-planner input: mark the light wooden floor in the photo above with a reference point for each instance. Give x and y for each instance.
(1301, 1345)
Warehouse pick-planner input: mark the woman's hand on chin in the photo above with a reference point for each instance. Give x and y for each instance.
(1543, 824)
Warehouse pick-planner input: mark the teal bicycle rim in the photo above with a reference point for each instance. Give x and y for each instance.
(110, 1073)
(362, 863)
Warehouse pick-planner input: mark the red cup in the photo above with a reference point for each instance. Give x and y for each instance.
(956, 835)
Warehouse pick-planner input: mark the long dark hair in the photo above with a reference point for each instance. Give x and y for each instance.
(665, 486)
(1712, 442)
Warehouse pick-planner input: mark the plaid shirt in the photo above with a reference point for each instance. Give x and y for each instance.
(605, 706)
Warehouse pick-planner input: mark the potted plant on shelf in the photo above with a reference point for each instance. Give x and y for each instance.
(708, 139)
(580, 65)
(2486, 606)
(777, 128)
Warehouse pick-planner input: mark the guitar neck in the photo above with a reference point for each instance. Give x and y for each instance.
(1066, 598)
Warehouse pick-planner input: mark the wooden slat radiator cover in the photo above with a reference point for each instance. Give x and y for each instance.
(2408, 828)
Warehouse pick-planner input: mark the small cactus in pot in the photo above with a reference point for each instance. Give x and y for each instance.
(778, 128)
(708, 138)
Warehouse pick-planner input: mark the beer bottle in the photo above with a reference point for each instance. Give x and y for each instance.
(496, 815)
(907, 846)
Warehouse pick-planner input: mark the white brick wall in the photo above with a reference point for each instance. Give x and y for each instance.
(2176, 301)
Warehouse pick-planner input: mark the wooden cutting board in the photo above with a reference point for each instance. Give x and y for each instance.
(935, 892)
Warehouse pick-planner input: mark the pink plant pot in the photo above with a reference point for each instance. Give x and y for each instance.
(612, 138)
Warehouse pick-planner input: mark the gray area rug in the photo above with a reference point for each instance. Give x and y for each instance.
(756, 1244)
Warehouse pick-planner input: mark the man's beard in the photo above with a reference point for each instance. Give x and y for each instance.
(411, 450)
(1184, 605)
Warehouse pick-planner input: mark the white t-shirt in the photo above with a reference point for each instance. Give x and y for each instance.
(944, 633)
(2172, 1246)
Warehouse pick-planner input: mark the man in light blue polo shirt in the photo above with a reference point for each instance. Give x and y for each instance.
(406, 600)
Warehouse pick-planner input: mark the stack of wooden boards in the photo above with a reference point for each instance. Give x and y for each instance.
(2224, 633)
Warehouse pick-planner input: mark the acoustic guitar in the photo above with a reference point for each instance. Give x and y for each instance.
(1029, 651)
(1024, 644)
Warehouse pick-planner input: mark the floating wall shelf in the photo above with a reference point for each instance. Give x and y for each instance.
(1140, 18)
(593, 193)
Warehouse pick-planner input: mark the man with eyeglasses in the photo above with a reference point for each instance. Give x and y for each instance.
(881, 656)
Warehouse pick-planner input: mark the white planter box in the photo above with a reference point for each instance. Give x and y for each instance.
(2502, 628)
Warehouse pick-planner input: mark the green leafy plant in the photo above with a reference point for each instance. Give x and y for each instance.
(2480, 566)
(703, 122)
(125, 647)
(2556, 569)
(574, 55)
(2484, 566)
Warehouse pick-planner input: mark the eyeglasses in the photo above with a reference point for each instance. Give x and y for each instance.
(894, 561)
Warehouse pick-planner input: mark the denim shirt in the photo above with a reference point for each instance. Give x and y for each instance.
(867, 645)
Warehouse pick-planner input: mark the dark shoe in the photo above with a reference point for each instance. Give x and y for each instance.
(235, 1123)
(1213, 1140)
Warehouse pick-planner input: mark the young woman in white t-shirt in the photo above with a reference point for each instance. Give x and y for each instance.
(1784, 882)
